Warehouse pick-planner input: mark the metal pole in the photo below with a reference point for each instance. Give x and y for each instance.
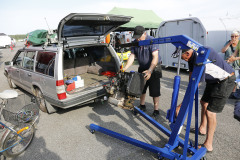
(179, 60)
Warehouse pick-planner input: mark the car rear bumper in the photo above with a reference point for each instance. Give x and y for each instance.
(77, 100)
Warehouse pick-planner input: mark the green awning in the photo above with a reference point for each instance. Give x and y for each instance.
(146, 18)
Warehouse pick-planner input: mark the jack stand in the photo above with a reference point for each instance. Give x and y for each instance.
(182, 42)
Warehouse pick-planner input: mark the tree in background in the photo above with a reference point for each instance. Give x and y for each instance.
(18, 36)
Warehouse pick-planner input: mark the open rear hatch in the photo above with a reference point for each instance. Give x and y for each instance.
(79, 29)
(86, 55)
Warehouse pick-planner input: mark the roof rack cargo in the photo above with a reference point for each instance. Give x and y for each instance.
(41, 37)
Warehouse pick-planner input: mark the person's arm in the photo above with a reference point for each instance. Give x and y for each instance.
(129, 61)
(224, 49)
(152, 66)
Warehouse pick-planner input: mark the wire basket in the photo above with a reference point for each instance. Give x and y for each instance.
(22, 109)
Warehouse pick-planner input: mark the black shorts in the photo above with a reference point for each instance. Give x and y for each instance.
(154, 85)
(216, 95)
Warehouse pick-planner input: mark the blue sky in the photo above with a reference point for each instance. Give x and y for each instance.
(23, 16)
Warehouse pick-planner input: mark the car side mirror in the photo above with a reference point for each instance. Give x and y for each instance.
(8, 63)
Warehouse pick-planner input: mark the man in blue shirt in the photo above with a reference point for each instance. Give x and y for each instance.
(220, 81)
(149, 63)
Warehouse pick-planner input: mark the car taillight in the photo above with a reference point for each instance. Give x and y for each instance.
(62, 96)
(61, 93)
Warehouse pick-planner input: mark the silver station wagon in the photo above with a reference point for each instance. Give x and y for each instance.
(73, 70)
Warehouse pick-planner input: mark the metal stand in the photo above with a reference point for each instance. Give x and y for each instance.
(182, 42)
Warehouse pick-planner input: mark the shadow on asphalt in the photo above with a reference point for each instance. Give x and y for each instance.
(130, 120)
(102, 110)
(38, 150)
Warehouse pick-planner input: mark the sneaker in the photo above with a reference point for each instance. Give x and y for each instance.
(155, 113)
(142, 107)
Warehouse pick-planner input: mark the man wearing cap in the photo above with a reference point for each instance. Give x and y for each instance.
(150, 64)
(219, 77)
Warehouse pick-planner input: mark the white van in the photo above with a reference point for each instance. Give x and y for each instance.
(5, 41)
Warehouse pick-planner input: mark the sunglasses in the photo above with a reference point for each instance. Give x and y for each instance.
(234, 36)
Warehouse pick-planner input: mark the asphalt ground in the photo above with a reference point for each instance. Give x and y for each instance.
(65, 135)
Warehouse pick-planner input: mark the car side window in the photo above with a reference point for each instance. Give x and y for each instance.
(18, 60)
(28, 61)
(45, 63)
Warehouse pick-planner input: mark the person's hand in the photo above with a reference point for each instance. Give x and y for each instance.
(231, 42)
(147, 74)
(178, 109)
(231, 59)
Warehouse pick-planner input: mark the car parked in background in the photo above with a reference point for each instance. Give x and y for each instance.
(5, 41)
(71, 71)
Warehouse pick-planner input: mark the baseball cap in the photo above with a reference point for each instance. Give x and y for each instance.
(138, 31)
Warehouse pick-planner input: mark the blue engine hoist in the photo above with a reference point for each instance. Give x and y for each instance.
(181, 42)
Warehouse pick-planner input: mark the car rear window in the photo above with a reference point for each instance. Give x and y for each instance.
(85, 30)
(45, 63)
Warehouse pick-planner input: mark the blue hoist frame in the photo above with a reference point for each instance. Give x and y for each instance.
(181, 42)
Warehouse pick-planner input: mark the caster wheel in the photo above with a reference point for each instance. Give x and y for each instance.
(92, 131)
(203, 158)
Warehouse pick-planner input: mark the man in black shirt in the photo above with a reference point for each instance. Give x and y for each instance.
(149, 62)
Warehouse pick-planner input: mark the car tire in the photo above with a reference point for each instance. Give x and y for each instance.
(41, 101)
(10, 83)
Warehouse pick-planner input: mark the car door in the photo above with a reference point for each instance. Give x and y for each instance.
(79, 29)
(27, 70)
(17, 66)
(44, 72)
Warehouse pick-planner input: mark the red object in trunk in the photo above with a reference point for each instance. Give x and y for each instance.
(109, 73)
